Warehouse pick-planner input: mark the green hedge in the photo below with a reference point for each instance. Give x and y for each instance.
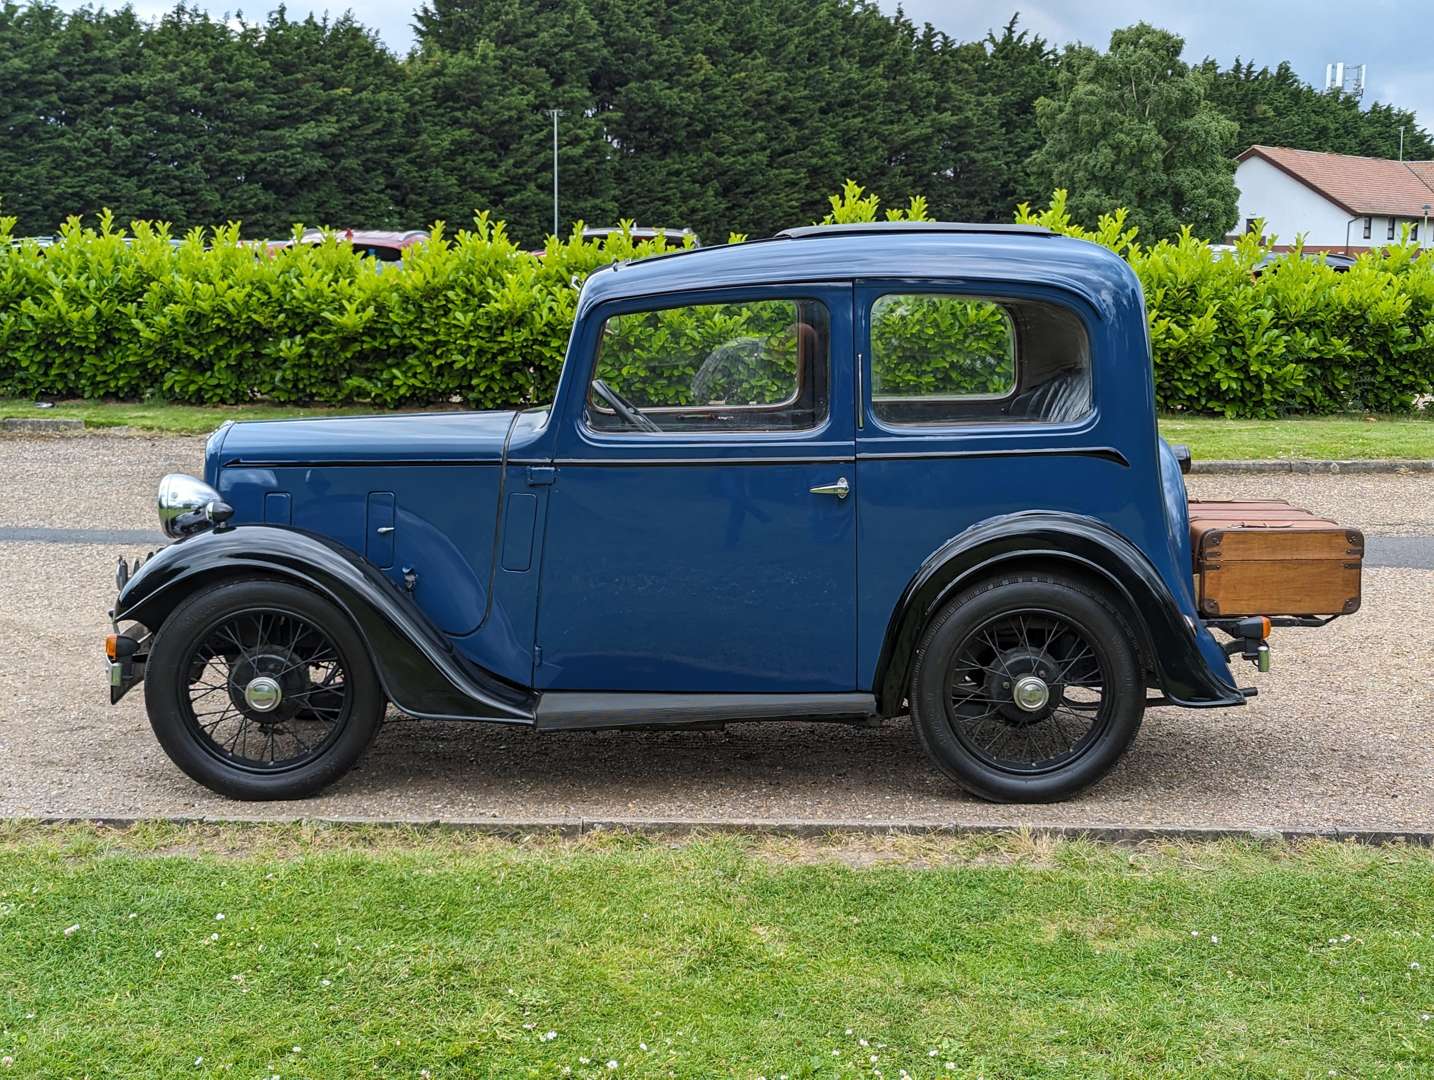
(473, 318)
(696, 355)
(932, 345)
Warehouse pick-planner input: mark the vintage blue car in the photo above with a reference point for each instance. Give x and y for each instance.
(845, 473)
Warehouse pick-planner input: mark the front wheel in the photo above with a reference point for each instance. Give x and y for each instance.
(259, 689)
(1027, 688)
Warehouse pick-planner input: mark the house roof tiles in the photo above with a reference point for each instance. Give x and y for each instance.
(1361, 185)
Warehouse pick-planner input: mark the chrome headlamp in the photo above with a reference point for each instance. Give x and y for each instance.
(188, 506)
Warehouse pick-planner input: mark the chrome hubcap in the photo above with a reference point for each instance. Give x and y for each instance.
(1031, 693)
(263, 694)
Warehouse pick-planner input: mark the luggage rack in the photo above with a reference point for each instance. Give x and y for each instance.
(1310, 621)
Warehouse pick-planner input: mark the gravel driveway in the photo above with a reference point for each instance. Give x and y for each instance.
(1339, 736)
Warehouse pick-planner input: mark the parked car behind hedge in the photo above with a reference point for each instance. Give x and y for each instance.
(384, 245)
(674, 237)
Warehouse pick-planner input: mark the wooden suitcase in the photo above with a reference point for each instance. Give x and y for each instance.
(1278, 560)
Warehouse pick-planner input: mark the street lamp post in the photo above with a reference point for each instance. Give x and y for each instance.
(1424, 234)
(555, 113)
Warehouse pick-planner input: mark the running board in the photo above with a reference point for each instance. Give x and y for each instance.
(581, 710)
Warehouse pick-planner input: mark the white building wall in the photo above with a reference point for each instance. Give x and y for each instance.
(1379, 231)
(1290, 208)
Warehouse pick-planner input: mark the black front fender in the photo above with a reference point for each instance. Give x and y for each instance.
(1048, 538)
(420, 671)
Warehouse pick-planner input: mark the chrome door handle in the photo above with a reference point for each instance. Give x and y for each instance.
(841, 489)
(384, 530)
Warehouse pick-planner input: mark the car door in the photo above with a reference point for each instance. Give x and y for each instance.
(701, 536)
(977, 403)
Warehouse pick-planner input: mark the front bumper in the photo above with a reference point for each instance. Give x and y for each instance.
(126, 652)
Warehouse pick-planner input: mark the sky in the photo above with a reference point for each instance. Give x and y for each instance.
(1390, 36)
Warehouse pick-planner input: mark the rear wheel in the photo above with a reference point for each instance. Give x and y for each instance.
(1027, 688)
(260, 689)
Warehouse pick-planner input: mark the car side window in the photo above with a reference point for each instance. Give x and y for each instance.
(746, 365)
(938, 358)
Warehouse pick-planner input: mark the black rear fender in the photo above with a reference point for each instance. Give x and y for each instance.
(1055, 542)
(420, 671)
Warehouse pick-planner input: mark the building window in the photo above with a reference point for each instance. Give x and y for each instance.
(1249, 224)
(1368, 227)
(1391, 227)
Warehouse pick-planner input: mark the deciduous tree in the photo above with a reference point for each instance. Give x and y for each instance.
(1132, 127)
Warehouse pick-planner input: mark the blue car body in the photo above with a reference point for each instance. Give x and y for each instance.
(525, 567)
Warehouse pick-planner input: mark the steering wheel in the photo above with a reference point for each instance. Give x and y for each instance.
(624, 408)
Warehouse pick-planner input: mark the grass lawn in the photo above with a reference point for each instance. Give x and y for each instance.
(159, 416)
(1333, 437)
(333, 952)
(1323, 437)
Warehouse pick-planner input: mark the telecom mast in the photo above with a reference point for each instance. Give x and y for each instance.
(1347, 78)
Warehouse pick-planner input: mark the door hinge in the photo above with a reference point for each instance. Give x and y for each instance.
(541, 475)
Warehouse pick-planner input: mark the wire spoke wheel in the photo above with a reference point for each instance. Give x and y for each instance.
(1026, 691)
(265, 690)
(1027, 687)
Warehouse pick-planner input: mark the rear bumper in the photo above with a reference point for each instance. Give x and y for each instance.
(122, 678)
(126, 667)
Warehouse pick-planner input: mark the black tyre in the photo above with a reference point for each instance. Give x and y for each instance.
(259, 689)
(1027, 688)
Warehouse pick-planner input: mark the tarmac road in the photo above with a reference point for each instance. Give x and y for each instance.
(1338, 738)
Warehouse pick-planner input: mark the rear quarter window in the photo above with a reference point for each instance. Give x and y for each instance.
(938, 358)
